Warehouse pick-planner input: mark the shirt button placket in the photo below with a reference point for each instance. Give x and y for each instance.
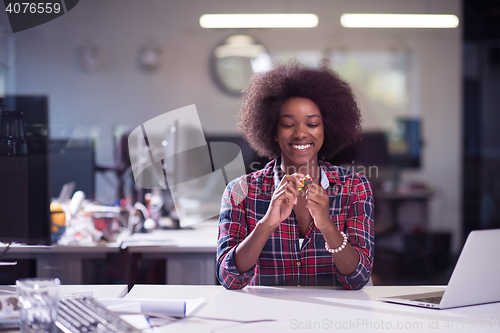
(298, 273)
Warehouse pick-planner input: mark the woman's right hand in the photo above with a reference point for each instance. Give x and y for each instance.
(282, 201)
(280, 207)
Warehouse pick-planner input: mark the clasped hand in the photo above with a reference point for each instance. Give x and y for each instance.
(285, 197)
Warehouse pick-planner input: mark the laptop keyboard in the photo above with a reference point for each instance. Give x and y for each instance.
(85, 314)
(434, 300)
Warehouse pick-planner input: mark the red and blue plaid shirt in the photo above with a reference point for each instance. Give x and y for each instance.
(283, 262)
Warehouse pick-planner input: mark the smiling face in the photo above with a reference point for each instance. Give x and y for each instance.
(300, 133)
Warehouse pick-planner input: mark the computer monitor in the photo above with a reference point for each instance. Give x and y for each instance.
(405, 143)
(371, 150)
(399, 148)
(72, 161)
(24, 194)
(252, 161)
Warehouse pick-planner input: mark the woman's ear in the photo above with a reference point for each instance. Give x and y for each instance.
(276, 137)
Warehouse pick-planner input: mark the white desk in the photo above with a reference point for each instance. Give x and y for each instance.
(103, 290)
(316, 309)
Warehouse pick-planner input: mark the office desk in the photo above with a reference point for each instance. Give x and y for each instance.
(316, 309)
(190, 254)
(395, 201)
(103, 290)
(62, 261)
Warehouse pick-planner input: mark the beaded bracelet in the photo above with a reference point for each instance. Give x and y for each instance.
(340, 248)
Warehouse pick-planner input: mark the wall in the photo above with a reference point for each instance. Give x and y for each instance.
(121, 94)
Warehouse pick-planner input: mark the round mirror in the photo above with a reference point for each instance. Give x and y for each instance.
(235, 60)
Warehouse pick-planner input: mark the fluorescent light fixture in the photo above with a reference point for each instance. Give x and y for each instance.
(259, 21)
(398, 21)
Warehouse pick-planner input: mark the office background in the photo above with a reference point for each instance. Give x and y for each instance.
(118, 94)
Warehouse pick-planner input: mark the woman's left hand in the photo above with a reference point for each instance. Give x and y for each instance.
(317, 201)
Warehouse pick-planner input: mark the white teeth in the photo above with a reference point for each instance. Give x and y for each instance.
(301, 147)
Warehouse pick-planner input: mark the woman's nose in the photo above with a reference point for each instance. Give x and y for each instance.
(300, 131)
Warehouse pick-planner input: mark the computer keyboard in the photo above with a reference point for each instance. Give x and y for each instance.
(435, 300)
(84, 314)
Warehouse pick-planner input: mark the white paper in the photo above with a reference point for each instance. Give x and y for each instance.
(138, 321)
(193, 305)
(171, 308)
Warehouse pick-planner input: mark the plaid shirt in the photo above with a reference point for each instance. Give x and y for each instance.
(283, 262)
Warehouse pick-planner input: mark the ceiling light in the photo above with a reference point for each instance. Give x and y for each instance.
(398, 21)
(259, 21)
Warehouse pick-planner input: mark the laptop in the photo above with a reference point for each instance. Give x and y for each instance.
(474, 279)
(66, 192)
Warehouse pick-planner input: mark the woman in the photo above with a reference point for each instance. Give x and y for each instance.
(269, 233)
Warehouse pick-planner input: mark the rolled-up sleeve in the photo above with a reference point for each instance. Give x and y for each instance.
(361, 235)
(232, 231)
